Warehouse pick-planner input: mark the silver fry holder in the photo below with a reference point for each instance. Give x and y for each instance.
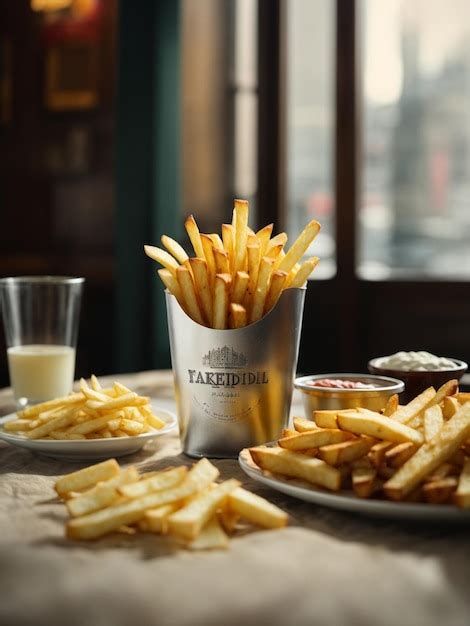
(234, 387)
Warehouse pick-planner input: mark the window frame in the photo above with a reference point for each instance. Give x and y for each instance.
(347, 319)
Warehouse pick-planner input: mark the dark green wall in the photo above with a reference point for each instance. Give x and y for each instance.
(148, 174)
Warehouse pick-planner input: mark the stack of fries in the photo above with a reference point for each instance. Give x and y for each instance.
(187, 505)
(235, 279)
(91, 413)
(419, 452)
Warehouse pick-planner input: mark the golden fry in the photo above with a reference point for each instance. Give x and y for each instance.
(208, 248)
(259, 297)
(274, 252)
(462, 495)
(433, 421)
(189, 293)
(278, 240)
(87, 477)
(376, 425)
(297, 465)
(217, 242)
(227, 239)
(278, 280)
(254, 258)
(51, 405)
(171, 283)
(194, 236)
(237, 316)
(314, 439)
(241, 216)
(405, 414)
(221, 300)
(304, 272)
(95, 383)
(300, 246)
(222, 264)
(450, 407)
(239, 287)
(188, 521)
(430, 455)
(255, 509)
(264, 235)
(201, 281)
(162, 257)
(174, 249)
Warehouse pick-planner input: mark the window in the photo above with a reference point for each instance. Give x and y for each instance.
(219, 110)
(310, 123)
(414, 216)
(245, 82)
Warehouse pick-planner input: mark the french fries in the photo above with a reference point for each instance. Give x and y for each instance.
(158, 482)
(413, 453)
(93, 413)
(258, 266)
(297, 465)
(439, 491)
(261, 291)
(162, 257)
(237, 316)
(430, 455)
(299, 247)
(433, 421)
(189, 521)
(406, 413)
(175, 249)
(186, 284)
(339, 453)
(221, 300)
(194, 236)
(202, 283)
(255, 509)
(77, 481)
(188, 506)
(314, 439)
(462, 495)
(378, 426)
(300, 276)
(364, 481)
(102, 494)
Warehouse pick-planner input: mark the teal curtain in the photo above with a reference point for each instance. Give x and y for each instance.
(148, 174)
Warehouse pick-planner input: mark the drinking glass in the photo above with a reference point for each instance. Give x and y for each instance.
(40, 316)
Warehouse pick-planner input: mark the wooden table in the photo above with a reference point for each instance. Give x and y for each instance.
(326, 568)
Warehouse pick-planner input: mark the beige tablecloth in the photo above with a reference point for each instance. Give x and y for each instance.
(326, 568)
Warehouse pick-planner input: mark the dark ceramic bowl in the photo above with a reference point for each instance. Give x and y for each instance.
(416, 382)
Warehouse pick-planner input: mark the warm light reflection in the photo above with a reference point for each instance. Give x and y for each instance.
(47, 6)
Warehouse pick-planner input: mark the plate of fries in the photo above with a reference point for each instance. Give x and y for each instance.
(235, 278)
(92, 423)
(407, 462)
(186, 504)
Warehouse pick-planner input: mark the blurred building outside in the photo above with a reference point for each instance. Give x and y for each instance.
(414, 215)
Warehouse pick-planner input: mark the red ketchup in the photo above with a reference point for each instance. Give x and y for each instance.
(336, 383)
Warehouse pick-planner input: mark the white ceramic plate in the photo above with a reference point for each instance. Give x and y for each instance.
(88, 449)
(347, 501)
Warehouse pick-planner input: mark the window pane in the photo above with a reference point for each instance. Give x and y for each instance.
(310, 119)
(415, 217)
(219, 112)
(245, 83)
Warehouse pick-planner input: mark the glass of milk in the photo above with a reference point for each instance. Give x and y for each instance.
(40, 315)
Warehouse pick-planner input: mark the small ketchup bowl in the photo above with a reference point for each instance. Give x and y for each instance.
(373, 395)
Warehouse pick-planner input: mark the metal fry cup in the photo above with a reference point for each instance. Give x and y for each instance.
(234, 387)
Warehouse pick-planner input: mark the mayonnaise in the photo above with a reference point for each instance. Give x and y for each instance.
(416, 362)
